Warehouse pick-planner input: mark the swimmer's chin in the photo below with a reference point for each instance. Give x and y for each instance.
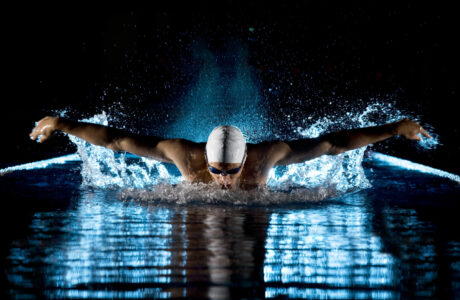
(226, 187)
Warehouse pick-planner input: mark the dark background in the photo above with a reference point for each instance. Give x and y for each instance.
(337, 56)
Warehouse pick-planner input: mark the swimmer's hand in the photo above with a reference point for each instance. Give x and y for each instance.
(410, 130)
(43, 129)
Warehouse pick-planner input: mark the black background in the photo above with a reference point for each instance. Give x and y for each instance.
(65, 57)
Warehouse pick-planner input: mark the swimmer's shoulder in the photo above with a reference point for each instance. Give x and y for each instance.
(265, 155)
(267, 148)
(183, 145)
(189, 157)
(189, 150)
(188, 145)
(179, 151)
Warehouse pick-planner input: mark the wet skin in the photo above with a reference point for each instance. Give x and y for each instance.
(190, 159)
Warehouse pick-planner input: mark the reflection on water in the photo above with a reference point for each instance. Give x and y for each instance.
(380, 243)
(329, 253)
(105, 248)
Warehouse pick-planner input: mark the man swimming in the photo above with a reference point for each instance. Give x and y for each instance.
(226, 158)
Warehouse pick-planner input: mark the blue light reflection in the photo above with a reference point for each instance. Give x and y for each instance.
(330, 252)
(101, 244)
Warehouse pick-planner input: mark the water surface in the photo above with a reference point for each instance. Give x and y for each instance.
(397, 239)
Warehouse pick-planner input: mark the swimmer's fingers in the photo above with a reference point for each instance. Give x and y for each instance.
(35, 132)
(43, 129)
(39, 135)
(417, 137)
(421, 131)
(37, 129)
(424, 133)
(412, 136)
(411, 130)
(42, 138)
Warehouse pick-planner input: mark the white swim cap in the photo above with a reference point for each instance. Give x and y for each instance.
(226, 144)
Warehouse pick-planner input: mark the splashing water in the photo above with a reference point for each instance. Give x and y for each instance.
(104, 168)
(145, 179)
(342, 172)
(226, 91)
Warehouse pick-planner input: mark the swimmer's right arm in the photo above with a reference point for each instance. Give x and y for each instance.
(105, 136)
(335, 143)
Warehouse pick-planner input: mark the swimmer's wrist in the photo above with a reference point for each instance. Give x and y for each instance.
(61, 124)
(392, 128)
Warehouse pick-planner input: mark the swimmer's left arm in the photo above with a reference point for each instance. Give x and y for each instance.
(166, 150)
(338, 142)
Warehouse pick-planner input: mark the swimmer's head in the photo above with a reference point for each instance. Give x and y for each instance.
(226, 154)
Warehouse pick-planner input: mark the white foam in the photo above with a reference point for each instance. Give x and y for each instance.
(186, 193)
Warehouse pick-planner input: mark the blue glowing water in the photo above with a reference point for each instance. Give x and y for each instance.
(86, 242)
(122, 226)
(225, 91)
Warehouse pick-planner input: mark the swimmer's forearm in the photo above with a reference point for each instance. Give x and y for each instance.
(356, 138)
(109, 137)
(117, 139)
(334, 143)
(338, 142)
(92, 133)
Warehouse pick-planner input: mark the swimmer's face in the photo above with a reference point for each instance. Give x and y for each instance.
(226, 181)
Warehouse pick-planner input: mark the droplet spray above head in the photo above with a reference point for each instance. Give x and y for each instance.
(226, 144)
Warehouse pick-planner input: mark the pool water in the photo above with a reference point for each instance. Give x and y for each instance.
(399, 238)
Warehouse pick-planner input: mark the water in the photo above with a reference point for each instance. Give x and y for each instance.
(106, 225)
(395, 239)
(112, 225)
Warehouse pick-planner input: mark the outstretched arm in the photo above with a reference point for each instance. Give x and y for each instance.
(109, 137)
(338, 142)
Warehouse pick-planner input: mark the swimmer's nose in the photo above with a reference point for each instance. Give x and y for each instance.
(226, 186)
(225, 180)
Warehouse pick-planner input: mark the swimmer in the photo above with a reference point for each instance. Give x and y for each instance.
(226, 158)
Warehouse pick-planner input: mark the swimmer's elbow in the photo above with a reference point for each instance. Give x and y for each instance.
(333, 144)
(113, 146)
(117, 145)
(335, 150)
(325, 147)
